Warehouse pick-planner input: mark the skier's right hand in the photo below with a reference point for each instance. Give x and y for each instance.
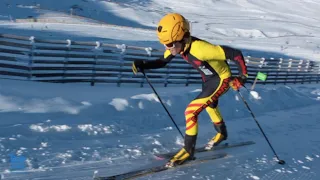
(137, 66)
(237, 82)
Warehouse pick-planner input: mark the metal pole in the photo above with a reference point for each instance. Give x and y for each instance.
(245, 102)
(162, 103)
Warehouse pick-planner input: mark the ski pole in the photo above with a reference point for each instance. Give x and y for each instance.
(245, 102)
(162, 103)
(246, 88)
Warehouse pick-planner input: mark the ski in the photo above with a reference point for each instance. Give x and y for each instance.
(152, 170)
(201, 149)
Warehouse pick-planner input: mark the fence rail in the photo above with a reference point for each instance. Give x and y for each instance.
(66, 61)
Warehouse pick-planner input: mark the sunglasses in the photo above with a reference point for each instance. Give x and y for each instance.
(170, 45)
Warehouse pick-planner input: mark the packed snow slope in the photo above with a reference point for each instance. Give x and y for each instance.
(70, 131)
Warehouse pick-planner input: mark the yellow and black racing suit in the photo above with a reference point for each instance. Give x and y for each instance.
(210, 61)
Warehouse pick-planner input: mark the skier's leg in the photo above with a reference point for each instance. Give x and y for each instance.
(218, 123)
(211, 91)
(219, 126)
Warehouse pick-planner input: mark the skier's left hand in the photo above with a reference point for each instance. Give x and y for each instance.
(237, 82)
(137, 66)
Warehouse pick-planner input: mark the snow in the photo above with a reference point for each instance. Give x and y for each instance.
(148, 97)
(255, 94)
(15, 104)
(76, 131)
(119, 104)
(41, 128)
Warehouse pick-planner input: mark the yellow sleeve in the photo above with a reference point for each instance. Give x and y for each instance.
(204, 51)
(166, 54)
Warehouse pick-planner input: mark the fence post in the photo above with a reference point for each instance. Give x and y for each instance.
(273, 71)
(97, 49)
(123, 49)
(149, 52)
(66, 59)
(30, 64)
(246, 61)
(299, 71)
(300, 64)
(279, 68)
(308, 71)
(289, 66)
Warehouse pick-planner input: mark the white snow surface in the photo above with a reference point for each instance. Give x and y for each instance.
(76, 131)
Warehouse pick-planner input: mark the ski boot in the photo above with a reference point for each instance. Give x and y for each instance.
(181, 157)
(185, 154)
(221, 135)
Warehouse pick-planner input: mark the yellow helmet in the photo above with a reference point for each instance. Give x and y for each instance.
(172, 27)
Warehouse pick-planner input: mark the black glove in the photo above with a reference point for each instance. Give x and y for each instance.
(243, 78)
(137, 66)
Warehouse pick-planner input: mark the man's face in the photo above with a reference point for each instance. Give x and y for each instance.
(174, 48)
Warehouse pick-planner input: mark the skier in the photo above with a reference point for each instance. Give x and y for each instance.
(210, 60)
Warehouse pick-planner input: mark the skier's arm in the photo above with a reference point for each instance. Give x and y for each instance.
(140, 65)
(159, 63)
(236, 56)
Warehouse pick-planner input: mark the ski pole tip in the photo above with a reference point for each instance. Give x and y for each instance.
(281, 162)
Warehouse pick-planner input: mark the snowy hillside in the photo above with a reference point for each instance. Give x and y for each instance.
(269, 27)
(73, 131)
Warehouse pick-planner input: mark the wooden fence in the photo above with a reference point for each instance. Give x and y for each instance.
(66, 61)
